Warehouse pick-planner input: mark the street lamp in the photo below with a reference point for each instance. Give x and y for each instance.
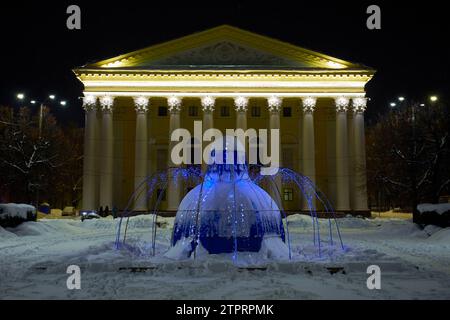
(392, 104)
(21, 96)
(401, 98)
(433, 98)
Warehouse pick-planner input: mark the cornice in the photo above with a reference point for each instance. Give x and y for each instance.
(161, 75)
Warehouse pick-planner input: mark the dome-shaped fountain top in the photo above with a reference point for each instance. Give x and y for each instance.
(227, 212)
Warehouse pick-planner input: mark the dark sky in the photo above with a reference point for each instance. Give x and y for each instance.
(411, 52)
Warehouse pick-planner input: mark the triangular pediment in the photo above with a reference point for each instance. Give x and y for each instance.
(225, 53)
(224, 47)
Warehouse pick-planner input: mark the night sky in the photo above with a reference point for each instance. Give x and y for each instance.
(411, 52)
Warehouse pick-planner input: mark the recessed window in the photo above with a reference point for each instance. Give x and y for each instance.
(162, 111)
(161, 193)
(287, 112)
(193, 111)
(224, 111)
(288, 194)
(256, 111)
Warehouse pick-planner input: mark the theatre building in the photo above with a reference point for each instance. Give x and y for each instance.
(227, 78)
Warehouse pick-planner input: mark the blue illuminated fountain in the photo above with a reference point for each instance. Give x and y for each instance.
(228, 211)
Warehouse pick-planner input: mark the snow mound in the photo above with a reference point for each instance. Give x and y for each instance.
(181, 250)
(98, 224)
(431, 229)
(438, 208)
(441, 237)
(403, 228)
(305, 221)
(32, 228)
(4, 234)
(354, 223)
(272, 248)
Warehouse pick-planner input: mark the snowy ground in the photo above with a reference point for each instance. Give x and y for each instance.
(34, 257)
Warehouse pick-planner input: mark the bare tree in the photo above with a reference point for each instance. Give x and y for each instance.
(408, 155)
(33, 166)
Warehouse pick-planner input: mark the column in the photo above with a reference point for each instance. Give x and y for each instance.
(308, 144)
(359, 193)
(141, 152)
(106, 158)
(274, 105)
(208, 103)
(342, 161)
(89, 172)
(173, 186)
(240, 105)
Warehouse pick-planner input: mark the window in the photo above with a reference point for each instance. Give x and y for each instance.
(193, 111)
(158, 193)
(162, 111)
(224, 111)
(287, 112)
(288, 194)
(256, 112)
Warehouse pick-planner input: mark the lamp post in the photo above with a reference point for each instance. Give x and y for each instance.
(41, 111)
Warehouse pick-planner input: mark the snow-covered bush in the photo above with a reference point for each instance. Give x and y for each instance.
(434, 214)
(13, 214)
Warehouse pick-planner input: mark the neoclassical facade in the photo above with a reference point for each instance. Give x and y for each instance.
(227, 78)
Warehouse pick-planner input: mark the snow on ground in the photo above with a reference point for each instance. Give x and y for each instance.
(35, 255)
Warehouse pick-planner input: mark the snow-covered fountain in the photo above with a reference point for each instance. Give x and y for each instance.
(227, 212)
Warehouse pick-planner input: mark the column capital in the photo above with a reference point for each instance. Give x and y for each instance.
(89, 102)
(342, 104)
(274, 103)
(141, 104)
(106, 103)
(208, 103)
(359, 104)
(309, 104)
(241, 104)
(174, 103)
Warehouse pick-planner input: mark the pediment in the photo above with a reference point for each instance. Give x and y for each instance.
(224, 47)
(225, 54)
